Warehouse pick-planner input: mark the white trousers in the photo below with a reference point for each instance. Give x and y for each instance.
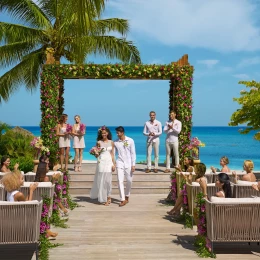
(155, 147)
(175, 147)
(121, 173)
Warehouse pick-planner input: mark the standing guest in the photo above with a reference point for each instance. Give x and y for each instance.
(223, 163)
(249, 176)
(102, 185)
(172, 128)
(12, 183)
(64, 140)
(78, 132)
(5, 164)
(125, 163)
(152, 129)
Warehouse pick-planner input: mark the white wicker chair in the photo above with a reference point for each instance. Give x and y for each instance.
(19, 225)
(30, 176)
(44, 188)
(233, 220)
(243, 189)
(2, 192)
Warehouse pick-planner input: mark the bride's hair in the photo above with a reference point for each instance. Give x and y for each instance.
(99, 135)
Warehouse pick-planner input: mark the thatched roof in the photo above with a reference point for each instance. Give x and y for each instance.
(22, 131)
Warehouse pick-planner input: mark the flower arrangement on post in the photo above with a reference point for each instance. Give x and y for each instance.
(37, 144)
(202, 242)
(194, 145)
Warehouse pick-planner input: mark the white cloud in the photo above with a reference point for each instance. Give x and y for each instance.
(249, 62)
(241, 76)
(221, 25)
(208, 63)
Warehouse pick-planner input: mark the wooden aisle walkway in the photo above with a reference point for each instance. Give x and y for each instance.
(137, 231)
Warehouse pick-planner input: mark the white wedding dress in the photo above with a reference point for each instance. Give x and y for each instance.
(102, 185)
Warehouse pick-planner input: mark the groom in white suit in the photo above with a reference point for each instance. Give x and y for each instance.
(125, 163)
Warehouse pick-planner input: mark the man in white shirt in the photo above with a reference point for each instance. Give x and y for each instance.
(172, 128)
(125, 163)
(152, 129)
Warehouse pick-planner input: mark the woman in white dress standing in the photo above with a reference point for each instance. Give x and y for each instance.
(64, 140)
(102, 185)
(78, 132)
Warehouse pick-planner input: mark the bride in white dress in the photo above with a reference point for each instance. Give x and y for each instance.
(102, 186)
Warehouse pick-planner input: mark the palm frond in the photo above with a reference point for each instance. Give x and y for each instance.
(26, 72)
(104, 26)
(12, 53)
(14, 33)
(27, 11)
(109, 46)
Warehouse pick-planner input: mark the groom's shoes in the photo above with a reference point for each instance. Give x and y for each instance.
(127, 199)
(123, 203)
(147, 170)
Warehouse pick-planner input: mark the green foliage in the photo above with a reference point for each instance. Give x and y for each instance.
(250, 108)
(57, 221)
(201, 250)
(50, 30)
(45, 245)
(16, 145)
(25, 163)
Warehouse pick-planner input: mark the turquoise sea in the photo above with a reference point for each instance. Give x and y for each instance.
(219, 141)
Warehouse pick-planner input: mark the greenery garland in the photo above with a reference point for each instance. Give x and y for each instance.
(45, 244)
(201, 241)
(67, 200)
(57, 197)
(52, 88)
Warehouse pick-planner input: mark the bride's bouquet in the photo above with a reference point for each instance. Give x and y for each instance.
(96, 151)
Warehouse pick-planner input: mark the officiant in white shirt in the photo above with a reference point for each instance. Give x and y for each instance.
(125, 163)
(153, 130)
(172, 128)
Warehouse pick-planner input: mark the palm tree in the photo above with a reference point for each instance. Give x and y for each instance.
(56, 28)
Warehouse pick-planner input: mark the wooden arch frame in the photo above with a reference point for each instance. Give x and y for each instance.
(179, 73)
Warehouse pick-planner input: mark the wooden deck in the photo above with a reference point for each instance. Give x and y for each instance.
(138, 230)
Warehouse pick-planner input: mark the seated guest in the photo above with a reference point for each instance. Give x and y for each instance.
(5, 163)
(200, 172)
(223, 183)
(188, 164)
(223, 163)
(249, 176)
(12, 182)
(42, 169)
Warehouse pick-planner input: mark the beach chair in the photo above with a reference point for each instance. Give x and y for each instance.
(19, 227)
(43, 189)
(243, 189)
(233, 220)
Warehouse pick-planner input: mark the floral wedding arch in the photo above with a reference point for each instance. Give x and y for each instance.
(179, 73)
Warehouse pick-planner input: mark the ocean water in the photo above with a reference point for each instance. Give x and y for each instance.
(220, 141)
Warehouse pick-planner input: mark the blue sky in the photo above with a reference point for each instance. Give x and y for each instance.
(221, 37)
